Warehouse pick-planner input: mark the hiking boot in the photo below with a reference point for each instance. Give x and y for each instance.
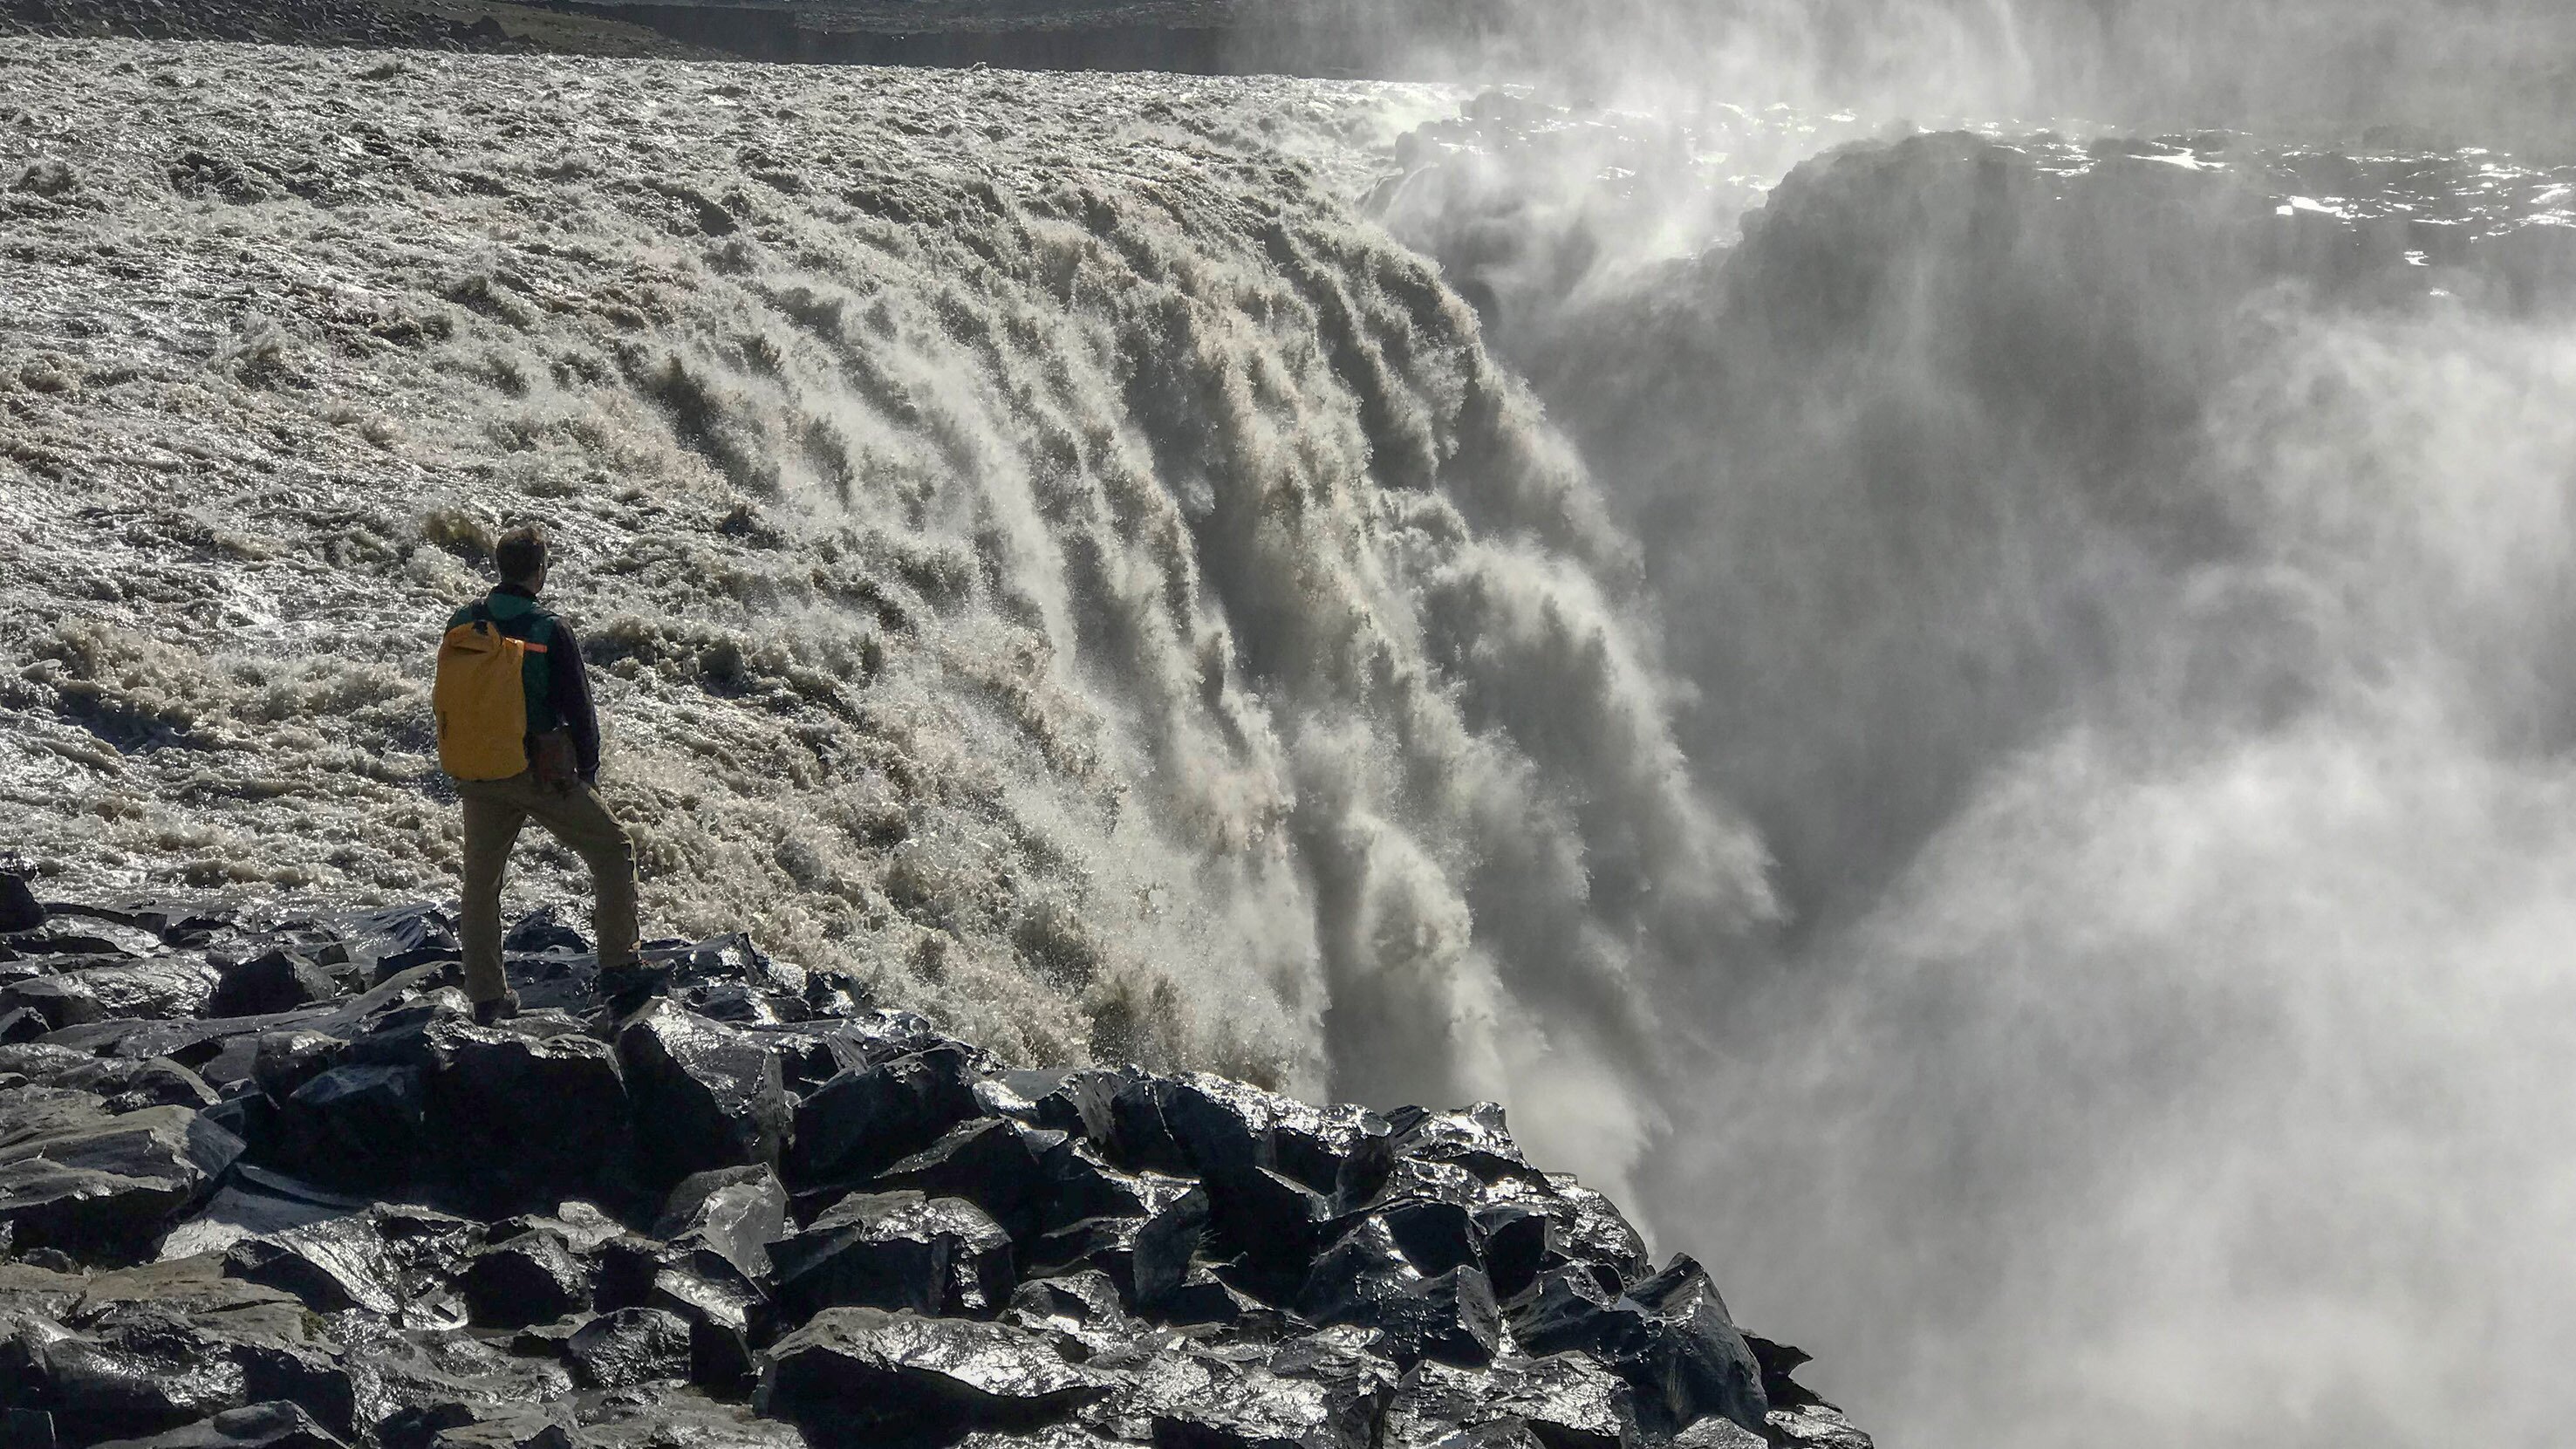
(626, 988)
(499, 1009)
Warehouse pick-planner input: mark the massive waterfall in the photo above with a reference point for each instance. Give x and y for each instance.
(1993, 752)
(1047, 555)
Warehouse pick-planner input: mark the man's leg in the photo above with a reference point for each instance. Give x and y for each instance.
(492, 820)
(583, 824)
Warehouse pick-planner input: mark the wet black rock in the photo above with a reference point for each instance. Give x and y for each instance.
(331, 1265)
(1669, 1337)
(1366, 1279)
(278, 1424)
(275, 980)
(1514, 1242)
(1684, 1354)
(57, 1001)
(532, 1277)
(152, 1349)
(733, 1212)
(524, 1114)
(707, 1095)
(19, 909)
(861, 1376)
(357, 1126)
(863, 1121)
(1075, 1101)
(898, 1250)
(102, 1186)
(621, 1222)
(383, 944)
(283, 1061)
(630, 1346)
(994, 1163)
(544, 929)
(1798, 1418)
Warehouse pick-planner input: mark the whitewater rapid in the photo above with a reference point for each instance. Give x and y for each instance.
(1991, 751)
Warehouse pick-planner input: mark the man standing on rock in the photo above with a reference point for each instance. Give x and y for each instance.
(517, 731)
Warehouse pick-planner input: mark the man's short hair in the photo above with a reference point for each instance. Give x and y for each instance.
(520, 553)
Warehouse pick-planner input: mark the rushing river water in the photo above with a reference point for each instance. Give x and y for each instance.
(1983, 726)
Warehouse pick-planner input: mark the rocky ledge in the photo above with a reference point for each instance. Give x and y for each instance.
(263, 1181)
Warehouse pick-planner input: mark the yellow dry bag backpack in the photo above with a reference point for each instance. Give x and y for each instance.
(481, 701)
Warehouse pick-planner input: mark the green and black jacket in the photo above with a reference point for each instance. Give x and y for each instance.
(557, 684)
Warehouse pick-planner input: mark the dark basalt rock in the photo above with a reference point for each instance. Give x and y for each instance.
(544, 929)
(275, 1425)
(531, 1277)
(152, 1349)
(1797, 1417)
(58, 1001)
(1366, 1279)
(122, 1084)
(19, 909)
(1075, 1101)
(1078, 1184)
(1669, 1337)
(1205, 1297)
(1147, 1258)
(283, 1061)
(861, 1122)
(1718, 1434)
(630, 1346)
(1434, 1236)
(1222, 1128)
(357, 1126)
(1691, 1362)
(1188, 1397)
(897, 1250)
(331, 1265)
(861, 1376)
(162, 988)
(1139, 1139)
(381, 944)
(733, 1212)
(992, 1258)
(1564, 1401)
(1267, 1217)
(704, 1094)
(994, 1163)
(727, 1316)
(519, 1118)
(102, 1188)
(1473, 1138)
(1516, 1240)
(1501, 1434)
(273, 981)
(254, 1202)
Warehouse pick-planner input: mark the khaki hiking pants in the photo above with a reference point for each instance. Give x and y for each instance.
(494, 812)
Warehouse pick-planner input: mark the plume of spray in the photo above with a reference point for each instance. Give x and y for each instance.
(2453, 72)
(2129, 603)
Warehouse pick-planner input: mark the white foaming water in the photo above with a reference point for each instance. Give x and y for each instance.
(1043, 553)
(2005, 766)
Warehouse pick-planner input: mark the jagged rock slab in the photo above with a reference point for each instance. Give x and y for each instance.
(857, 1376)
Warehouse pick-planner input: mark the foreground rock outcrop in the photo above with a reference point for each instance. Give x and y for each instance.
(264, 1182)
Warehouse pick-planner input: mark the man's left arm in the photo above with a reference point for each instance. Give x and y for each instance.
(568, 688)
